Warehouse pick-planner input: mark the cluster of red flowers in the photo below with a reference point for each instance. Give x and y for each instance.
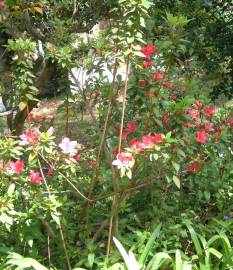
(148, 50)
(148, 141)
(203, 124)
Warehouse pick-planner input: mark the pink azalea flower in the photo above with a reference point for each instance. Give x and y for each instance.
(165, 118)
(208, 125)
(30, 137)
(136, 145)
(147, 64)
(124, 159)
(68, 147)
(198, 105)
(202, 136)
(209, 111)
(194, 113)
(35, 177)
(16, 167)
(2, 164)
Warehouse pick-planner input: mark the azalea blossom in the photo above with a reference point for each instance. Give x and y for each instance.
(208, 125)
(150, 94)
(136, 145)
(165, 118)
(143, 82)
(124, 160)
(209, 111)
(194, 113)
(194, 167)
(130, 127)
(157, 76)
(198, 105)
(148, 50)
(35, 177)
(68, 147)
(149, 140)
(30, 137)
(168, 85)
(174, 97)
(16, 167)
(202, 136)
(187, 124)
(148, 64)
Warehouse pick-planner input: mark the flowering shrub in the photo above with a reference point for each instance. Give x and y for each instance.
(152, 152)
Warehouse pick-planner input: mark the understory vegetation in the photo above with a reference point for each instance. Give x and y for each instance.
(116, 135)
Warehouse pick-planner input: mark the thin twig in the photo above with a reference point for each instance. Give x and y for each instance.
(59, 220)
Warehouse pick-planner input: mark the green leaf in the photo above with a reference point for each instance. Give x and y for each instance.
(179, 264)
(149, 244)
(176, 166)
(11, 190)
(176, 180)
(91, 259)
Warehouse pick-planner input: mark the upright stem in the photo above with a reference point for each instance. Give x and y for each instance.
(113, 224)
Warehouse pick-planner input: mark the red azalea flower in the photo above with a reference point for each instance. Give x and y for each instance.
(131, 126)
(148, 50)
(143, 83)
(209, 111)
(35, 177)
(157, 76)
(150, 94)
(16, 167)
(194, 167)
(166, 118)
(198, 105)
(124, 135)
(219, 129)
(202, 136)
(168, 85)
(187, 124)
(194, 113)
(174, 97)
(149, 140)
(147, 64)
